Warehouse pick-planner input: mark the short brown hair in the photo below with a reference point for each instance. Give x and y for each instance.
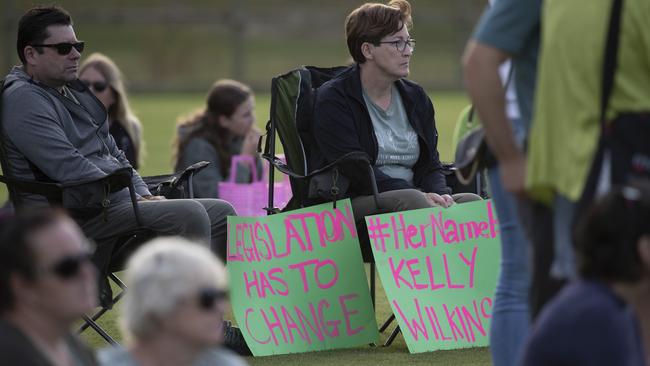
(373, 21)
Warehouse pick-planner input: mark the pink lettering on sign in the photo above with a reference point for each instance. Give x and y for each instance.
(377, 235)
(320, 267)
(263, 283)
(274, 323)
(451, 320)
(486, 303)
(415, 326)
(408, 233)
(253, 243)
(452, 231)
(444, 323)
(289, 325)
(314, 325)
(410, 236)
(420, 275)
(471, 263)
(336, 220)
(348, 313)
(248, 328)
(333, 330)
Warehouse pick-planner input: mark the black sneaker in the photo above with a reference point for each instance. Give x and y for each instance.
(233, 339)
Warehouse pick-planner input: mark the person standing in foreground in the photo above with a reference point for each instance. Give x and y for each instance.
(509, 29)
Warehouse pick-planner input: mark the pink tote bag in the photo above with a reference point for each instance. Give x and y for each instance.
(249, 199)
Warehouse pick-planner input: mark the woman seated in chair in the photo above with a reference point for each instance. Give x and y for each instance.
(104, 79)
(226, 127)
(371, 107)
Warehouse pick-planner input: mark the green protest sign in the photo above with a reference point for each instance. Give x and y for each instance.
(297, 281)
(439, 270)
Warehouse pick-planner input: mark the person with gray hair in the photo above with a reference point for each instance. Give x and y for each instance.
(173, 310)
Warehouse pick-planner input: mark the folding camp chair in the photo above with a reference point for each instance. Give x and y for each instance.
(292, 99)
(110, 253)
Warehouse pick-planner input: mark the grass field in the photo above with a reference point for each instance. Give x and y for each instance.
(159, 113)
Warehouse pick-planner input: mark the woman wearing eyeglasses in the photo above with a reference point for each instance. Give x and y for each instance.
(173, 310)
(104, 79)
(373, 108)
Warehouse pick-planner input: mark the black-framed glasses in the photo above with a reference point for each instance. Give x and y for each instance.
(400, 44)
(98, 86)
(209, 296)
(64, 48)
(70, 266)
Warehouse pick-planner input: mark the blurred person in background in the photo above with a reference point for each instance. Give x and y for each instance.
(594, 320)
(173, 310)
(102, 76)
(47, 282)
(226, 127)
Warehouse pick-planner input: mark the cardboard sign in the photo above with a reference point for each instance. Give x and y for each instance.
(439, 270)
(297, 281)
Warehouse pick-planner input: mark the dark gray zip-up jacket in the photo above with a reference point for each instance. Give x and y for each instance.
(49, 137)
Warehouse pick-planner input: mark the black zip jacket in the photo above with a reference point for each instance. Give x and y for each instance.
(342, 124)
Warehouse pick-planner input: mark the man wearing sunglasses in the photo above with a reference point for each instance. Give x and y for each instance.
(55, 129)
(47, 282)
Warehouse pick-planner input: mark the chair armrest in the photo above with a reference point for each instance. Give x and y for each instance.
(116, 181)
(49, 190)
(348, 164)
(172, 181)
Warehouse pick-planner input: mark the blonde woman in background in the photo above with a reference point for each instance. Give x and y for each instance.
(102, 76)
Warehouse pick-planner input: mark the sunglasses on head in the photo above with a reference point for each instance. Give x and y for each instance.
(97, 86)
(208, 297)
(69, 266)
(64, 48)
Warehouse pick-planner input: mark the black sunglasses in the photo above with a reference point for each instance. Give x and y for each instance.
(208, 296)
(64, 48)
(69, 266)
(97, 86)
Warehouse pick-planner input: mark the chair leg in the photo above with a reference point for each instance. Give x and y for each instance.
(99, 313)
(92, 321)
(392, 336)
(387, 323)
(117, 281)
(99, 330)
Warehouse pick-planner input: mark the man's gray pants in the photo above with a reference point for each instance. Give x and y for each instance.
(203, 220)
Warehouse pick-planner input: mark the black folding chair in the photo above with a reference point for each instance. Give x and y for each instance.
(110, 253)
(292, 101)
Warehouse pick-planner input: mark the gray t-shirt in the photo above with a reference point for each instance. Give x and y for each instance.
(119, 356)
(397, 141)
(513, 27)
